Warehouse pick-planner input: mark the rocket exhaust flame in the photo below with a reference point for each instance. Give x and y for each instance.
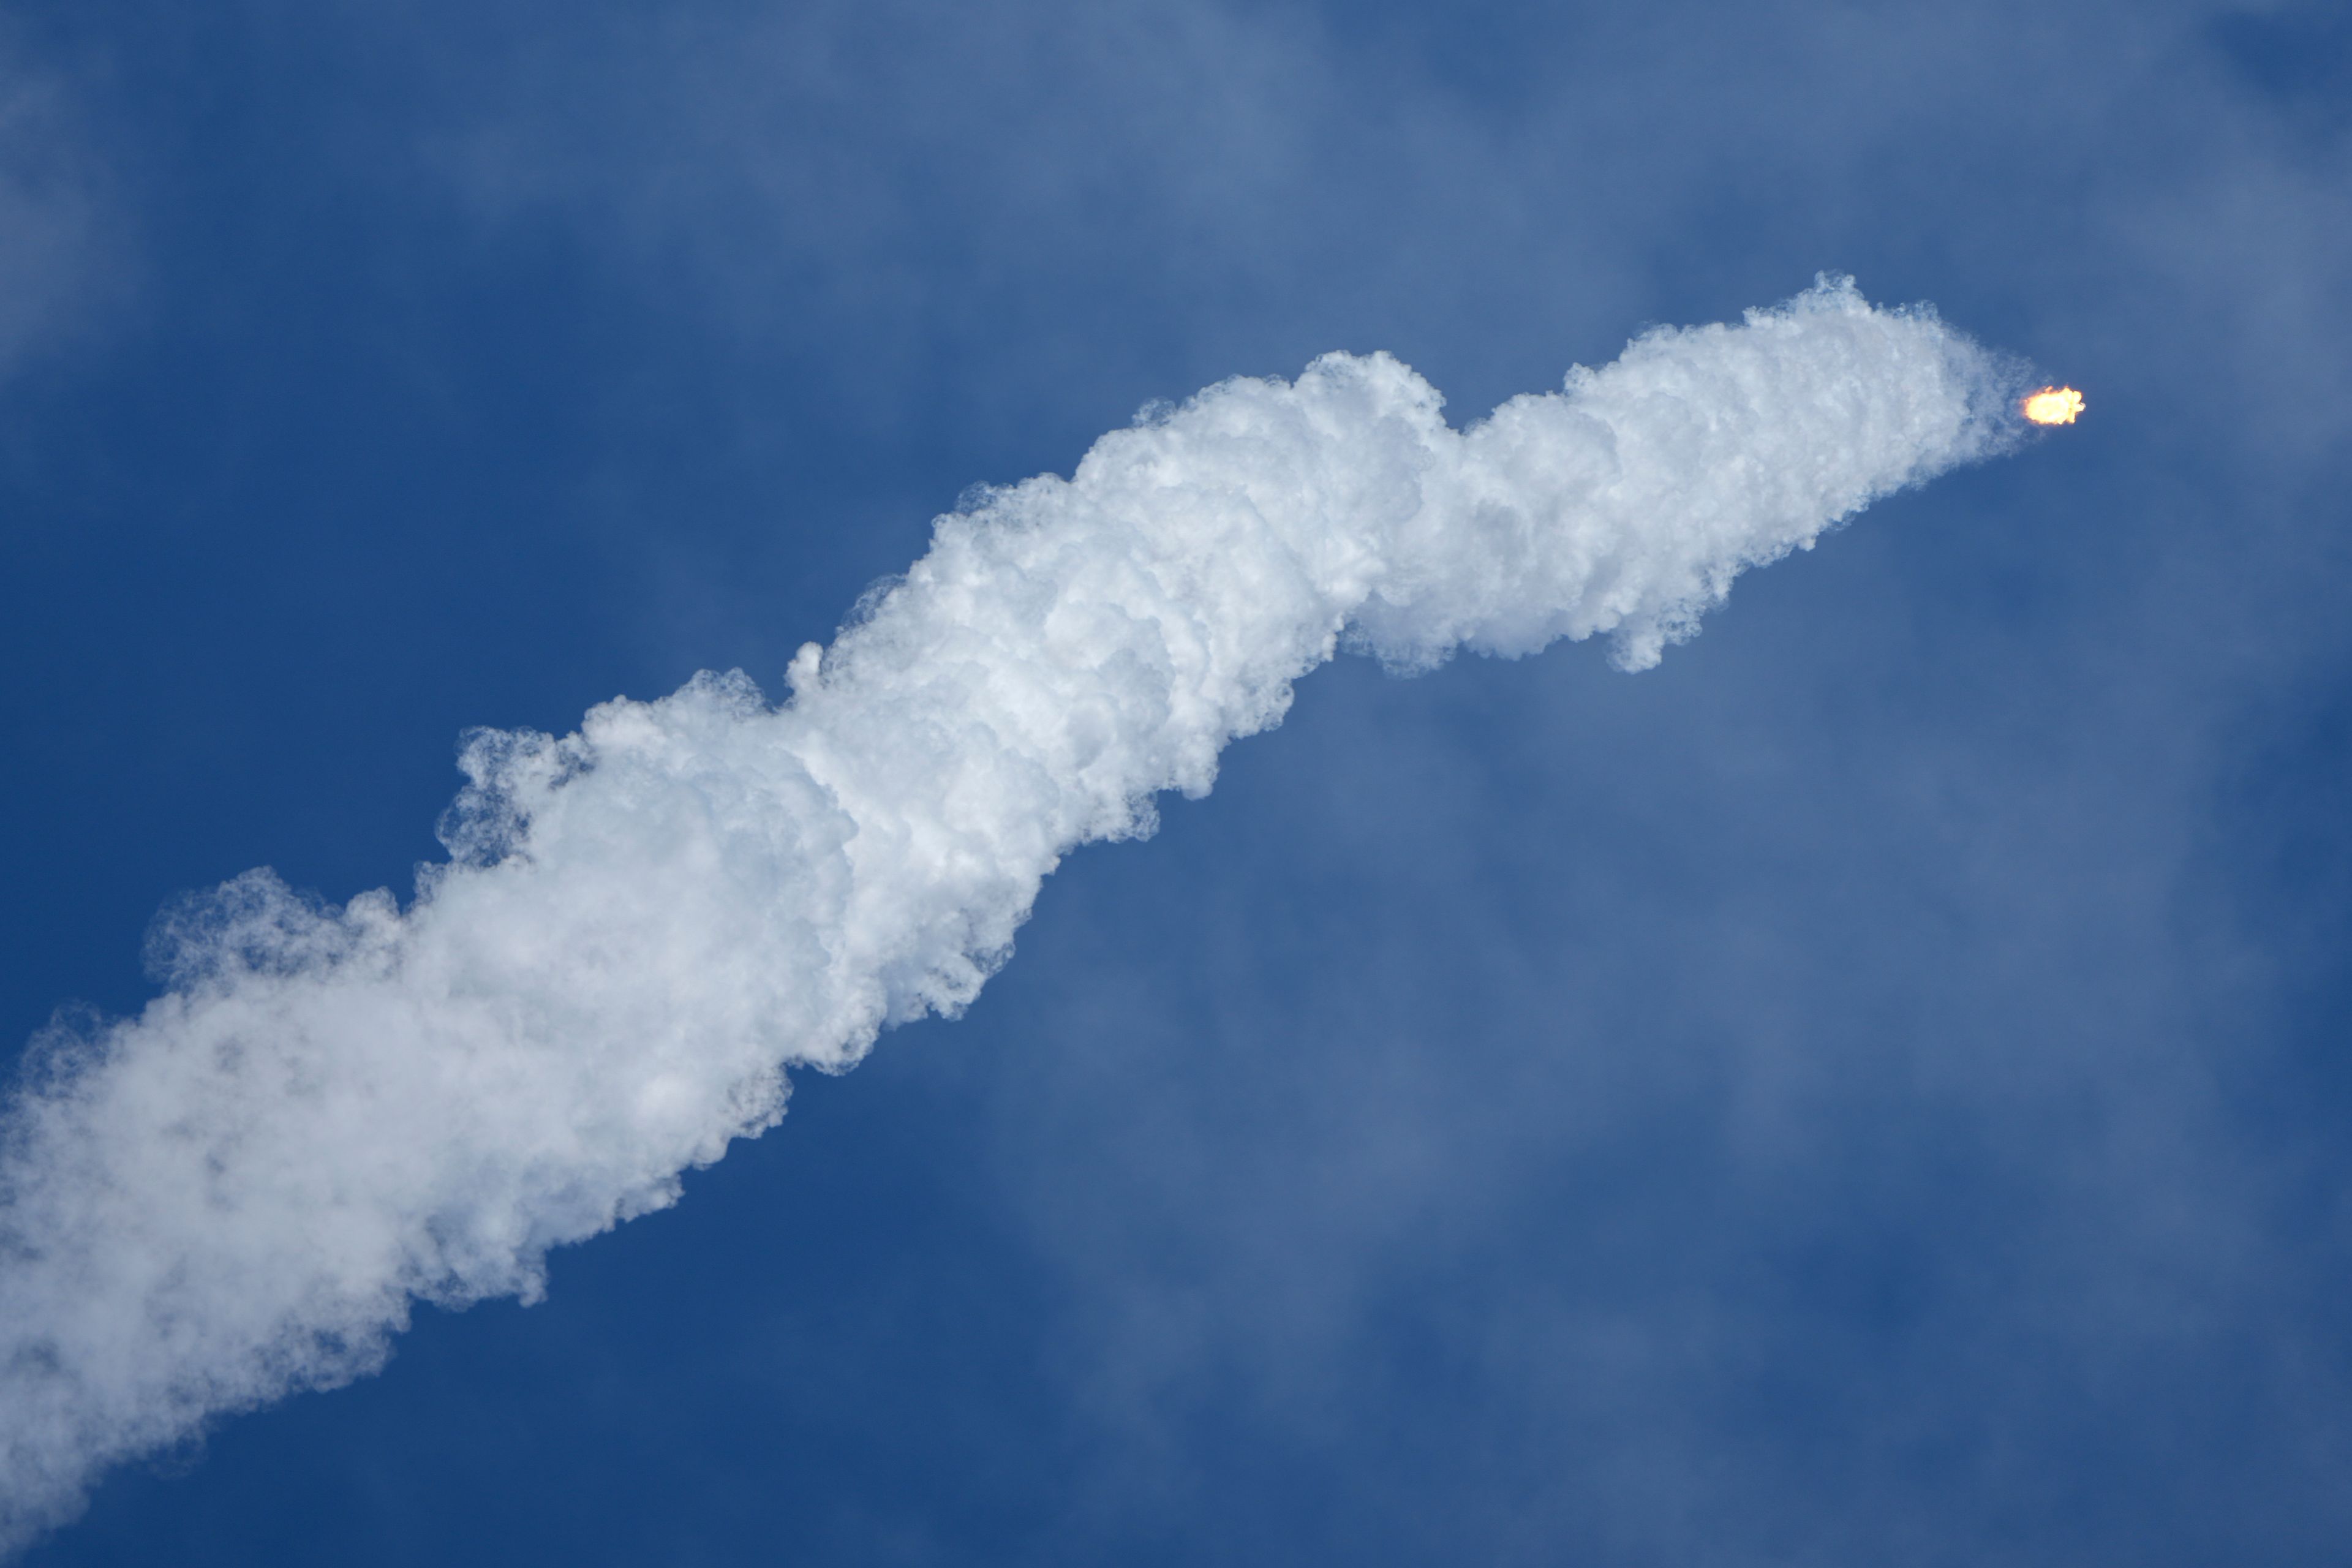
(334, 1111)
(2053, 405)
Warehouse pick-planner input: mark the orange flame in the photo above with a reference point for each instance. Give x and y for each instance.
(2053, 405)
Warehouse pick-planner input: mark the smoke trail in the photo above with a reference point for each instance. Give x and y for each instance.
(331, 1112)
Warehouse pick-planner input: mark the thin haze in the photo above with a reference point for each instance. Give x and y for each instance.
(334, 1111)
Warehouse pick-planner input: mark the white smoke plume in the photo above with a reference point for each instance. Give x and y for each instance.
(333, 1112)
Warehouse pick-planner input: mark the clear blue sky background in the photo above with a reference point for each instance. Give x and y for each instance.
(1875, 1089)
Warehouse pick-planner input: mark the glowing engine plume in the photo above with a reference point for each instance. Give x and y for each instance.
(2053, 405)
(333, 1112)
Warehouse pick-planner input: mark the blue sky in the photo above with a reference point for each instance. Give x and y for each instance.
(1869, 1089)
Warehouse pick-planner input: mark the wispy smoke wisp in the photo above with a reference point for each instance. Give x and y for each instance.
(334, 1111)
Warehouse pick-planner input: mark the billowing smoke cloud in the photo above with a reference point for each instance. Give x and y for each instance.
(334, 1111)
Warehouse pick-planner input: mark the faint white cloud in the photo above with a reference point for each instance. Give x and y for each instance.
(59, 262)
